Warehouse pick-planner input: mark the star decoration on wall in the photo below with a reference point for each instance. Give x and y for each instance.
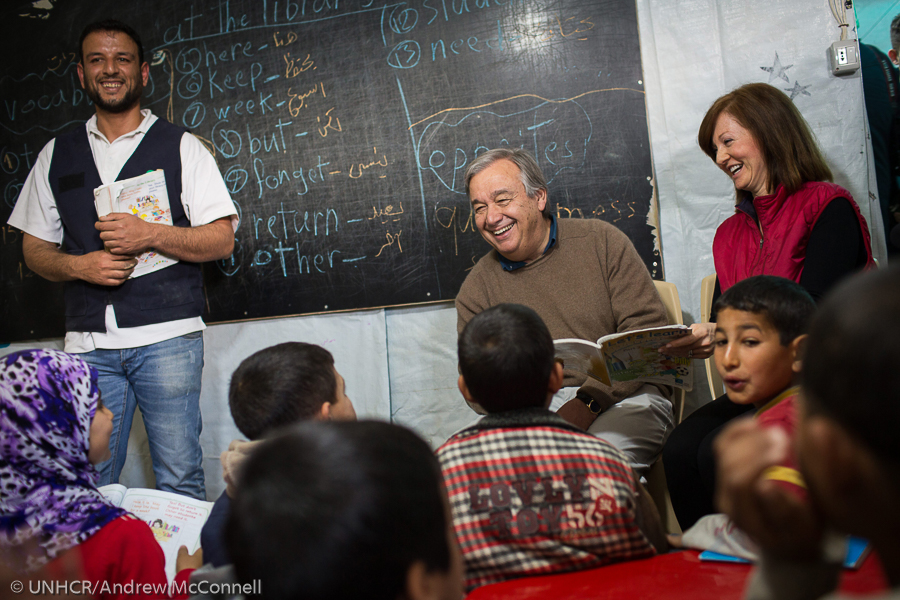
(798, 90)
(777, 70)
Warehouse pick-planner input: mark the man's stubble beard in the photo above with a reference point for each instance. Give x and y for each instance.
(125, 104)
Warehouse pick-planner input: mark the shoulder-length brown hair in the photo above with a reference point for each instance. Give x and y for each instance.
(783, 136)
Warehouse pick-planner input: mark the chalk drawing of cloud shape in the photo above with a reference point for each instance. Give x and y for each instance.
(557, 132)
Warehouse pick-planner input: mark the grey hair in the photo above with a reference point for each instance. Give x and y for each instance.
(531, 174)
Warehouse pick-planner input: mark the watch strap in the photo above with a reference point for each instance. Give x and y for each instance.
(591, 404)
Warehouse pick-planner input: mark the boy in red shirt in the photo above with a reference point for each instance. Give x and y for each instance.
(847, 445)
(760, 334)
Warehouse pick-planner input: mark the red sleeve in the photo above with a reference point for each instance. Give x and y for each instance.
(787, 474)
(125, 552)
(182, 579)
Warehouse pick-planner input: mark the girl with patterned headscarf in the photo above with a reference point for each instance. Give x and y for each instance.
(52, 427)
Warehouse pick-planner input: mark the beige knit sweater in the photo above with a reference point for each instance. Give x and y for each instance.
(589, 284)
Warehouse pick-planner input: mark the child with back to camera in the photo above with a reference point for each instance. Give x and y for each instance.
(847, 446)
(760, 335)
(530, 493)
(345, 511)
(272, 388)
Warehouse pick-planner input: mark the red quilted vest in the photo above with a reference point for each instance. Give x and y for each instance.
(741, 251)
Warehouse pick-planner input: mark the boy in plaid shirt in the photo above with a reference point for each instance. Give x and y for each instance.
(530, 493)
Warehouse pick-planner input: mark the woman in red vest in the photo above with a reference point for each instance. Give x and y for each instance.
(789, 221)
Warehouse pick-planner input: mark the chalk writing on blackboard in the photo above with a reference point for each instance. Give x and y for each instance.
(343, 131)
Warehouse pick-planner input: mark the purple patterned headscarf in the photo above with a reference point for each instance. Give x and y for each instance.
(48, 499)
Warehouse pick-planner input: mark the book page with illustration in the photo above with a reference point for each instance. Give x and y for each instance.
(145, 197)
(175, 520)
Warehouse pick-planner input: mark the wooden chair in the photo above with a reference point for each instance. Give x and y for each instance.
(669, 295)
(656, 476)
(707, 289)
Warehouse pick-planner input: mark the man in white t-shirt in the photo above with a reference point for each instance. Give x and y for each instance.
(143, 335)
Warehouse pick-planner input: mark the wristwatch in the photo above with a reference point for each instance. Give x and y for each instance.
(592, 404)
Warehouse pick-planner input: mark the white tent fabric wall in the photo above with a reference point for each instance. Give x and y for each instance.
(690, 185)
(401, 363)
(422, 358)
(357, 341)
(694, 51)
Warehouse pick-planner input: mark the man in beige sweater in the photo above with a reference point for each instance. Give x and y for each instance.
(583, 277)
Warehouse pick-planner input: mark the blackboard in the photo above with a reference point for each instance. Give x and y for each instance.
(343, 128)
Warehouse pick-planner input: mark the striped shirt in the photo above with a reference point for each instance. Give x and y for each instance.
(533, 495)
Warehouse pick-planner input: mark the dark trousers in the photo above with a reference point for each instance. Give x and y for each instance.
(689, 460)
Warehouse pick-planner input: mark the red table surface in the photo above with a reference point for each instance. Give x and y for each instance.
(673, 575)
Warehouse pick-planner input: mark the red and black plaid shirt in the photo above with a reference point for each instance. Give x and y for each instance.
(532, 495)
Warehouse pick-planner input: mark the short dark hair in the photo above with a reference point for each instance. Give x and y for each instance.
(110, 25)
(851, 370)
(786, 305)
(530, 172)
(505, 357)
(281, 385)
(785, 140)
(895, 33)
(338, 510)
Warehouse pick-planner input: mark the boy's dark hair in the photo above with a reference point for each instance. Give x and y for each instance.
(110, 25)
(338, 510)
(506, 356)
(851, 371)
(786, 305)
(895, 32)
(281, 385)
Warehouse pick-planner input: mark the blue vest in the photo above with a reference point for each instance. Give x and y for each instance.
(173, 293)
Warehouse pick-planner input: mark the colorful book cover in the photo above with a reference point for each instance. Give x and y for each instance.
(629, 356)
(145, 197)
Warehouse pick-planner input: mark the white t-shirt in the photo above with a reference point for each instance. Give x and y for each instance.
(203, 195)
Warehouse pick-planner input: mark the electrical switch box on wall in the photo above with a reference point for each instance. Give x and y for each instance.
(844, 57)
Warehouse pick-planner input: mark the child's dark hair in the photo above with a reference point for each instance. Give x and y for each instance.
(338, 510)
(851, 371)
(281, 385)
(895, 33)
(786, 305)
(110, 25)
(505, 357)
